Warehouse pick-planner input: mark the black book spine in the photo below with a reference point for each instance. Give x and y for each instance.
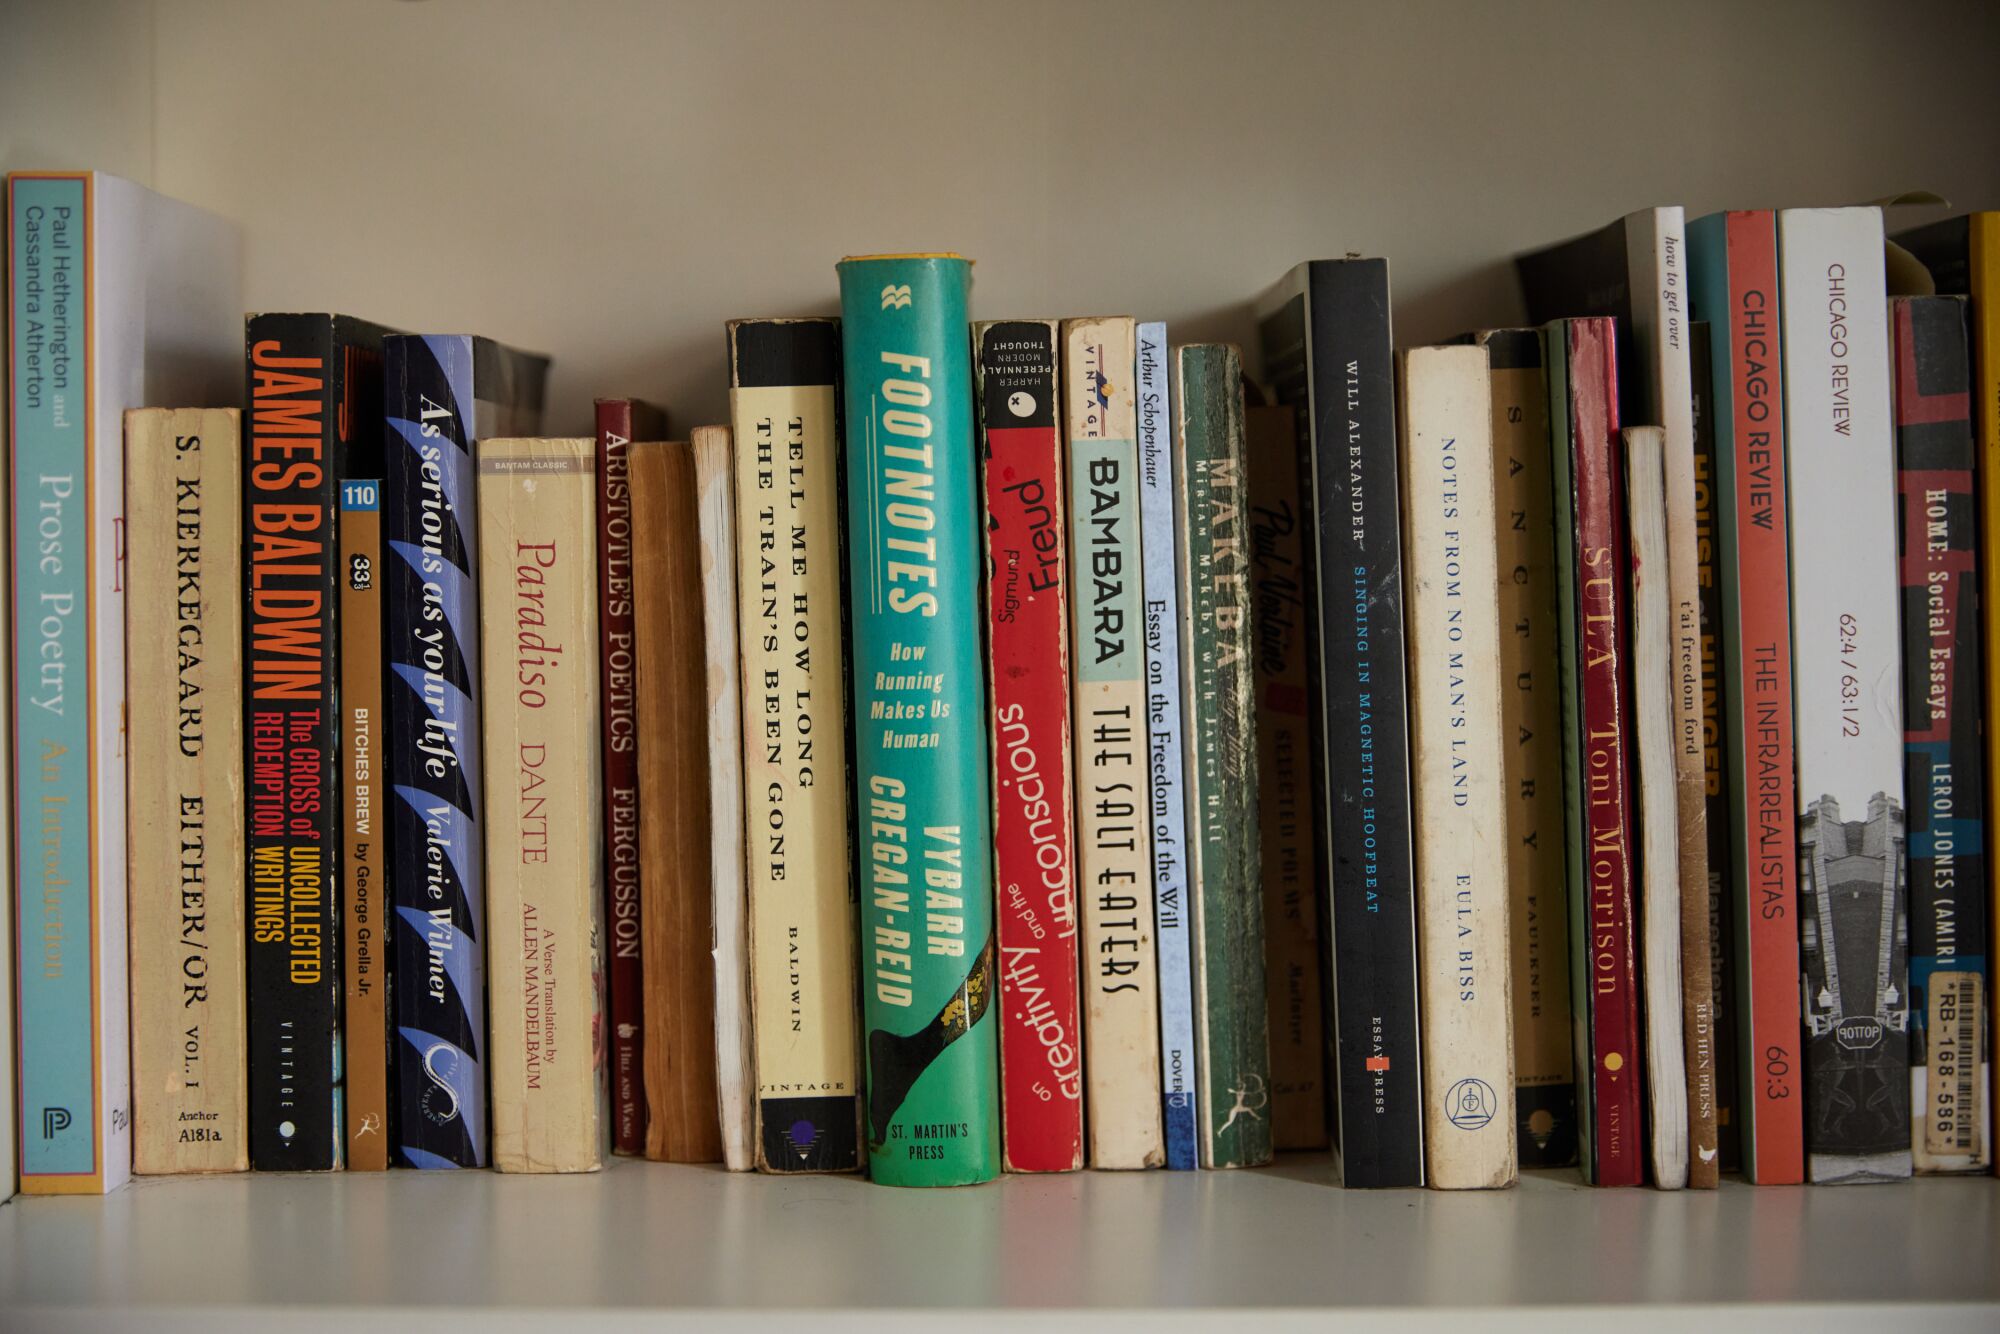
(437, 856)
(303, 374)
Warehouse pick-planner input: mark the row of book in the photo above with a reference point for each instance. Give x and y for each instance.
(1032, 749)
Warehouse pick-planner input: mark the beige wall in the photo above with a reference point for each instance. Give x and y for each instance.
(607, 182)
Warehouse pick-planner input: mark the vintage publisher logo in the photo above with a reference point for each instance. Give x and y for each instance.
(1470, 1103)
(440, 1100)
(1021, 403)
(896, 296)
(1859, 1034)
(55, 1120)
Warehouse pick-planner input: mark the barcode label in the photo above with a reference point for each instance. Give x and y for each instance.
(1951, 1114)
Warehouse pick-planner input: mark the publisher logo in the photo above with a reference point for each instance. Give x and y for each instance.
(440, 1100)
(55, 1120)
(1470, 1104)
(896, 297)
(1859, 1034)
(1021, 403)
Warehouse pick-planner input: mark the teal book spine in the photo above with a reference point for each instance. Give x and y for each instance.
(924, 811)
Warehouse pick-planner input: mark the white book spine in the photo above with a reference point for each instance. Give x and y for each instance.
(1168, 794)
(1452, 624)
(713, 469)
(1659, 852)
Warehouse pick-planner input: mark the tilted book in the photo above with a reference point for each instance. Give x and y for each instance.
(1114, 871)
(315, 406)
(1951, 1129)
(537, 518)
(1735, 267)
(1158, 547)
(1458, 798)
(365, 928)
(184, 754)
(924, 812)
(1041, 1037)
(1219, 717)
(715, 498)
(1531, 709)
(116, 297)
(1326, 342)
(784, 378)
(1280, 583)
(620, 421)
(677, 919)
(1593, 587)
(1659, 872)
(444, 393)
(1847, 693)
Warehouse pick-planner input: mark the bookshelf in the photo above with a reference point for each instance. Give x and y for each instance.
(607, 182)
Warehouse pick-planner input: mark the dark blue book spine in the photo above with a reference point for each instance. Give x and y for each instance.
(431, 640)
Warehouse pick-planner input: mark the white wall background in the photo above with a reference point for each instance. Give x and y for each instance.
(607, 182)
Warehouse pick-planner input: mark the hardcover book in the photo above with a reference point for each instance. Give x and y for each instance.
(1280, 584)
(677, 920)
(620, 421)
(366, 1048)
(315, 416)
(116, 297)
(1658, 878)
(1158, 547)
(185, 805)
(1458, 798)
(1594, 601)
(1041, 1039)
(1735, 267)
(1847, 693)
(536, 507)
(784, 378)
(1951, 1128)
(1326, 343)
(715, 500)
(1531, 710)
(1218, 634)
(444, 394)
(1121, 1065)
(924, 811)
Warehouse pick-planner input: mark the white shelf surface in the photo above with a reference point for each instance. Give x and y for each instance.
(700, 1243)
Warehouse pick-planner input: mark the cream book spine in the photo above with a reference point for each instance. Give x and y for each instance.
(544, 785)
(1452, 625)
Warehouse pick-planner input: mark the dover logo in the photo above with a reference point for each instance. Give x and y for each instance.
(1470, 1104)
(897, 297)
(1859, 1034)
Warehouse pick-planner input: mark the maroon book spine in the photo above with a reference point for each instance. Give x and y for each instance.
(619, 422)
(1603, 572)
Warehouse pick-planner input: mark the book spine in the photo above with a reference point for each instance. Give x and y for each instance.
(1597, 779)
(1366, 828)
(1951, 1130)
(185, 772)
(437, 858)
(297, 375)
(618, 744)
(1722, 950)
(536, 506)
(1847, 693)
(714, 465)
(784, 380)
(1983, 274)
(365, 930)
(1114, 847)
(1219, 716)
(1653, 685)
(1041, 1040)
(678, 917)
(1458, 801)
(920, 767)
(1531, 709)
(1158, 547)
(1279, 588)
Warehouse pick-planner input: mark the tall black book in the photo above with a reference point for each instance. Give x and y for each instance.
(444, 393)
(1326, 345)
(315, 414)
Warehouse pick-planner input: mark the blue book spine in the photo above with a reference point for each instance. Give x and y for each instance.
(1178, 1078)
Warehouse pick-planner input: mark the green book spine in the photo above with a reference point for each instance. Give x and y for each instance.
(1231, 1036)
(924, 811)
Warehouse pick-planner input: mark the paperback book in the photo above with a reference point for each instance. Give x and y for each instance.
(366, 1049)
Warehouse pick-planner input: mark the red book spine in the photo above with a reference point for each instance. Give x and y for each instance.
(1770, 805)
(1041, 1053)
(625, 1001)
(1603, 566)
